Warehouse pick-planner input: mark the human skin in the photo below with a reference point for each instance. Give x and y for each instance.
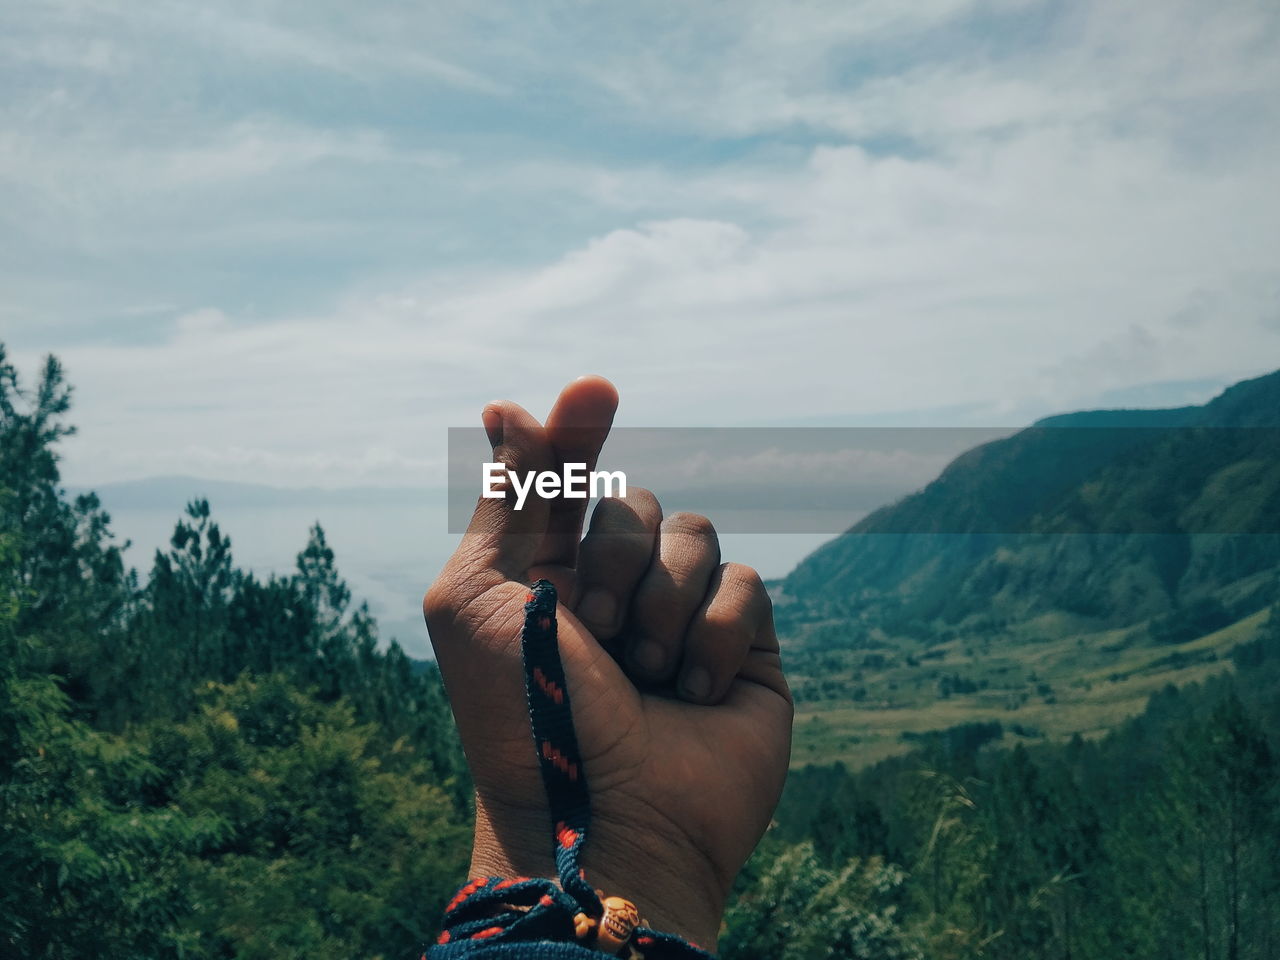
(682, 713)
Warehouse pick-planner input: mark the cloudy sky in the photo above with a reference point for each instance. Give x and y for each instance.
(290, 243)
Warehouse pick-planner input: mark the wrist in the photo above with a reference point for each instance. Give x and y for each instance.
(674, 893)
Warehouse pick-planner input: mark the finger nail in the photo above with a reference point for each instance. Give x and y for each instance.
(696, 683)
(492, 419)
(649, 656)
(599, 607)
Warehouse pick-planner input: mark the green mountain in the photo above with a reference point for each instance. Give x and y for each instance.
(1061, 574)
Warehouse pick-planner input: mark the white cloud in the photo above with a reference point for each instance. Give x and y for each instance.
(101, 171)
(361, 43)
(891, 207)
(913, 72)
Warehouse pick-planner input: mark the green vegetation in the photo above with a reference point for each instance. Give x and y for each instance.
(1054, 579)
(1047, 685)
(858, 707)
(202, 764)
(1159, 839)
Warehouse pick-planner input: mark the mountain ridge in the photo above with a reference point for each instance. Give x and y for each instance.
(1089, 543)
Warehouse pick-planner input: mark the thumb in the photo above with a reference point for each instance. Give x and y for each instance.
(505, 533)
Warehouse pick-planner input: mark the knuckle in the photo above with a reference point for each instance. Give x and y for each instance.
(742, 577)
(728, 620)
(690, 525)
(438, 601)
(642, 500)
(456, 584)
(746, 582)
(453, 610)
(639, 510)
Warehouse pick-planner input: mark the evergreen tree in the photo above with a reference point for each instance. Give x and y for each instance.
(800, 910)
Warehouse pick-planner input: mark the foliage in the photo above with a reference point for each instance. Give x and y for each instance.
(328, 849)
(801, 910)
(1160, 839)
(204, 764)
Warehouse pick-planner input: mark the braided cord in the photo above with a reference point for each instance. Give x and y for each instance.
(531, 917)
(559, 759)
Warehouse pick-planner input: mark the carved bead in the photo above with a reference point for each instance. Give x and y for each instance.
(620, 918)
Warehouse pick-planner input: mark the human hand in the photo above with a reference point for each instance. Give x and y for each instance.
(682, 713)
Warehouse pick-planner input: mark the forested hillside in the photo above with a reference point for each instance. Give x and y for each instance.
(1161, 839)
(201, 763)
(1053, 580)
(197, 763)
(1155, 501)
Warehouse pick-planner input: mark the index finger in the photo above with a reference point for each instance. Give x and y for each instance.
(576, 429)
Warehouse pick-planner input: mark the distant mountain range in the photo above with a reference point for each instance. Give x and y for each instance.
(1157, 500)
(169, 492)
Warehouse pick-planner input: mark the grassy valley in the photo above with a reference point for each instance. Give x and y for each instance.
(1043, 681)
(1049, 582)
